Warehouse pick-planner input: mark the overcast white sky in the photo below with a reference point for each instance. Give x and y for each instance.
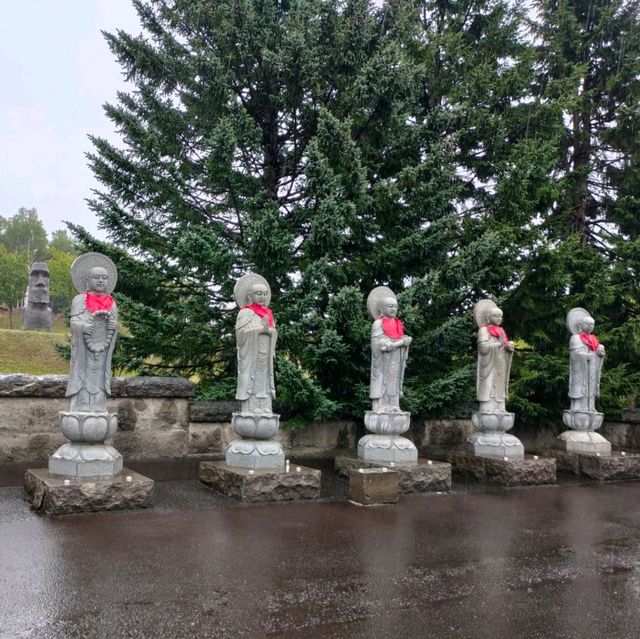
(56, 72)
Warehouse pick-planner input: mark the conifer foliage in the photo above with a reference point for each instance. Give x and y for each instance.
(332, 146)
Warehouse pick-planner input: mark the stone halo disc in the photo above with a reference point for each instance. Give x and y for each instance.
(81, 268)
(378, 294)
(574, 317)
(481, 311)
(243, 286)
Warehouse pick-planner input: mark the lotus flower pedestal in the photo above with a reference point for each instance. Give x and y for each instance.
(490, 439)
(254, 469)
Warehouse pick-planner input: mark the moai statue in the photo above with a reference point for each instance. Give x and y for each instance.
(256, 337)
(94, 327)
(492, 421)
(586, 356)
(389, 352)
(36, 315)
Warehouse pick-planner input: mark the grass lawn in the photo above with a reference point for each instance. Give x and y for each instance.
(16, 323)
(31, 352)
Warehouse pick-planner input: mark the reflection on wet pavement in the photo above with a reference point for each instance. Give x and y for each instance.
(560, 561)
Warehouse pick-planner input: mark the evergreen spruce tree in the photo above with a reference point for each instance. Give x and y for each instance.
(588, 71)
(252, 140)
(338, 145)
(332, 147)
(474, 103)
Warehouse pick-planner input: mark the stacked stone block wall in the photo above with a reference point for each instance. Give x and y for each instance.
(157, 419)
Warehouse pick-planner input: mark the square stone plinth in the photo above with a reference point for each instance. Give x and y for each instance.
(602, 467)
(261, 485)
(501, 472)
(372, 486)
(51, 495)
(423, 476)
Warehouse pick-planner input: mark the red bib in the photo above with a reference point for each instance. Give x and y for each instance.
(590, 340)
(497, 331)
(392, 327)
(262, 311)
(98, 302)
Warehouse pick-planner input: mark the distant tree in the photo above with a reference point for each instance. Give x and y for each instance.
(13, 280)
(24, 233)
(62, 290)
(62, 241)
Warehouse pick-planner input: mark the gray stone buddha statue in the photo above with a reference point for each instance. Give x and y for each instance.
(94, 327)
(495, 352)
(37, 313)
(389, 351)
(492, 421)
(586, 357)
(94, 322)
(256, 337)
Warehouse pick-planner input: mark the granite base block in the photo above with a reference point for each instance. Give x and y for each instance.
(261, 485)
(52, 496)
(420, 477)
(602, 467)
(373, 486)
(500, 472)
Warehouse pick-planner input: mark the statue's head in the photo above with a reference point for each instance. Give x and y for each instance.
(487, 312)
(388, 307)
(258, 294)
(39, 283)
(252, 288)
(98, 280)
(579, 320)
(495, 316)
(94, 272)
(382, 302)
(587, 324)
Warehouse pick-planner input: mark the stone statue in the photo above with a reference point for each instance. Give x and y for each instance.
(586, 356)
(94, 326)
(256, 337)
(389, 351)
(37, 313)
(495, 353)
(94, 322)
(492, 421)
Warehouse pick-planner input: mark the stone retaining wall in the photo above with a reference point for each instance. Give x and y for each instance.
(157, 419)
(210, 432)
(436, 438)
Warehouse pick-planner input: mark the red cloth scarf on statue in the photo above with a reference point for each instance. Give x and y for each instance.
(98, 302)
(262, 311)
(590, 340)
(497, 331)
(392, 327)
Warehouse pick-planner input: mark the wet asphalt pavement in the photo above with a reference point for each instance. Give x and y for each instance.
(558, 561)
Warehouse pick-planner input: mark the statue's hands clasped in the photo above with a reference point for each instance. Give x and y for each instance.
(265, 325)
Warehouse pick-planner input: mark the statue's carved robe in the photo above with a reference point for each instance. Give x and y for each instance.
(585, 367)
(90, 371)
(256, 350)
(494, 366)
(387, 369)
